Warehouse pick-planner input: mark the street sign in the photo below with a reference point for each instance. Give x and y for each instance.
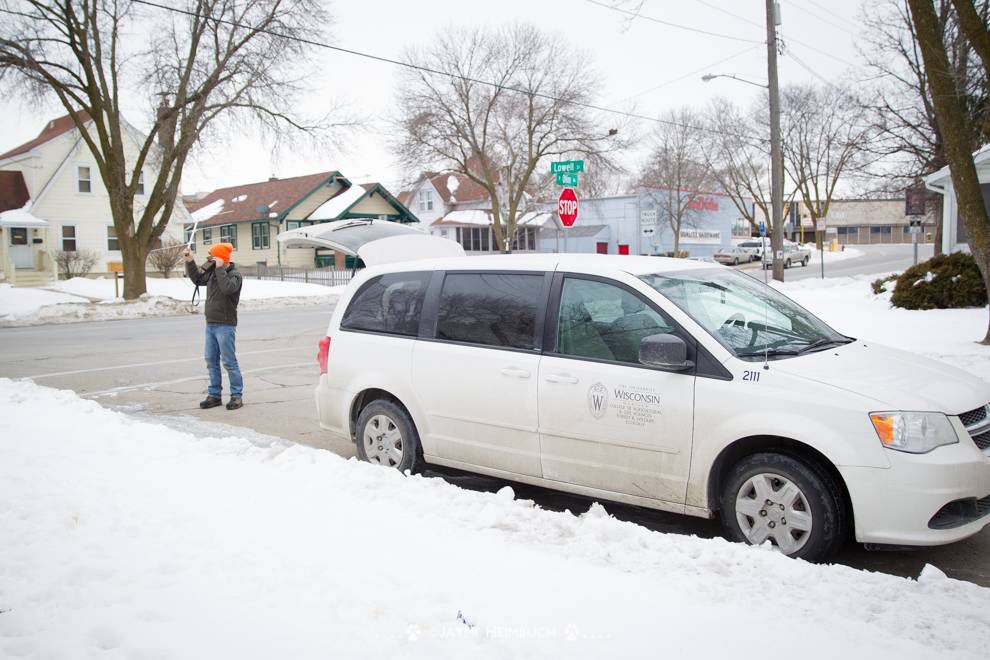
(914, 200)
(568, 180)
(763, 229)
(572, 166)
(914, 229)
(567, 207)
(649, 231)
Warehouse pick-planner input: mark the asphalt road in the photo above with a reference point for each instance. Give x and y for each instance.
(875, 259)
(154, 367)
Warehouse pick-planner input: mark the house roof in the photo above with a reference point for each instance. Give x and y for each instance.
(13, 191)
(240, 203)
(52, 130)
(941, 177)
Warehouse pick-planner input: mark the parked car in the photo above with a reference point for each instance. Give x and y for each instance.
(733, 255)
(794, 253)
(755, 248)
(666, 383)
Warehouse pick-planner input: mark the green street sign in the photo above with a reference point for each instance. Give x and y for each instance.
(572, 166)
(567, 179)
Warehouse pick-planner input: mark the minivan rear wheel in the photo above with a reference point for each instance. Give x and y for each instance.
(386, 436)
(778, 498)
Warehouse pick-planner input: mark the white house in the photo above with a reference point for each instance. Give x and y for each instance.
(52, 198)
(953, 231)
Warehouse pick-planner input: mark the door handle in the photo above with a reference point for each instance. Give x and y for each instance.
(561, 378)
(515, 373)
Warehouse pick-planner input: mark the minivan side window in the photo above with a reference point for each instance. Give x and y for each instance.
(492, 309)
(604, 322)
(388, 303)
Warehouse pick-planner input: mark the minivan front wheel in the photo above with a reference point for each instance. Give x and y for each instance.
(387, 436)
(777, 498)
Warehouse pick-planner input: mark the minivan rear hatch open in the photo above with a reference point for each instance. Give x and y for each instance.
(375, 242)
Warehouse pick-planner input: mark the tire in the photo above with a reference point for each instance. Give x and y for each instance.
(805, 261)
(787, 264)
(735, 261)
(777, 477)
(378, 443)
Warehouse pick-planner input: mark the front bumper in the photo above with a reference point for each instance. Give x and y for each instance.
(906, 504)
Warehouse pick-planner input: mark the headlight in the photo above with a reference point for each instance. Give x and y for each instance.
(913, 432)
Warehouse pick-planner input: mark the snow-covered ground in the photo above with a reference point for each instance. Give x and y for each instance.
(849, 305)
(832, 257)
(123, 538)
(82, 299)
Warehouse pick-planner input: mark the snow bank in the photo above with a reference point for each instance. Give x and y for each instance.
(169, 297)
(181, 288)
(849, 305)
(124, 538)
(17, 303)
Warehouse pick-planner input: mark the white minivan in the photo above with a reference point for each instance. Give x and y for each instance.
(666, 383)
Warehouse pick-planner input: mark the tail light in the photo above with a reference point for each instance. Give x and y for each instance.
(323, 355)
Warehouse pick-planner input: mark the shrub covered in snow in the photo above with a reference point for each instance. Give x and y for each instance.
(943, 282)
(879, 285)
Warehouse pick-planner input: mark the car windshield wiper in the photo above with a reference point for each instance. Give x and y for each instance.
(769, 352)
(824, 343)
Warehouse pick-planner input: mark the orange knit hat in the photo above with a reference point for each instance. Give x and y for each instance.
(222, 251)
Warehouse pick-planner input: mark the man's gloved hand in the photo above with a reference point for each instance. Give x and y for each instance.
(187, 253)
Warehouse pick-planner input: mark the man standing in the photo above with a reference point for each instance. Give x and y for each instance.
(223, 291)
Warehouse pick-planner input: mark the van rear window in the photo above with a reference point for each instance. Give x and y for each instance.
(389, 303)
(492, 309)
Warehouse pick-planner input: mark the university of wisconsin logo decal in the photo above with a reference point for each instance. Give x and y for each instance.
(598, 400)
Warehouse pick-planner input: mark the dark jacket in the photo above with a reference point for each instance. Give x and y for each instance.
(223, 290)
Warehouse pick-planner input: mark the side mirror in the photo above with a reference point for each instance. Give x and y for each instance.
(664, 351)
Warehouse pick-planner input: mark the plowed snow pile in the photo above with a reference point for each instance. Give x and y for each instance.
(121, 538)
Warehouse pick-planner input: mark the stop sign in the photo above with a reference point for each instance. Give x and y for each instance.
(567, 207)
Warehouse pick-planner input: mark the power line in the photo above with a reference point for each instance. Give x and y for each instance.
(710, 5)
(817, 50)
(437, 72)
(635, 14)
(821, 18)
(691, 73)
(845, 20)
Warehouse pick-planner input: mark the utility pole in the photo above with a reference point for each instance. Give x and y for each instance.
(776, 157)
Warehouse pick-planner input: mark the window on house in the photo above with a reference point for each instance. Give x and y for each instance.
(140, 185)
(425, 200)
(491, 309)
(84, 180)
(228, 234)
(18, 236)
(207, 235)
(296, 224)
(260, 235)
(476, 239)
(113, 244)
(68, 238)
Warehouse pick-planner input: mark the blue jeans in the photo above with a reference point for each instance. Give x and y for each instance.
(220, 346)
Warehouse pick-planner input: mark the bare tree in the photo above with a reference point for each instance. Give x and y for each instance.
(75, 263)
(676, 173)
(824, 139)
(737, 150)
(166, 257)
(907, 142)
(197, 62)
(950, 105)
(496, 104)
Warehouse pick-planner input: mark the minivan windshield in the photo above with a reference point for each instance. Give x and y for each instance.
(746, 316)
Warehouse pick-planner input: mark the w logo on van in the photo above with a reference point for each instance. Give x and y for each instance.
(598, 400)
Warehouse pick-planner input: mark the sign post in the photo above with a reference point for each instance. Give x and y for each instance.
(915, 198)
(567, 210)
(822, 224)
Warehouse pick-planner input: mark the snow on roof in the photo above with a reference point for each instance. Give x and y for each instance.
(467, 217)
(538, 219)
(941, 177)
(21, 218)
(601, 264)
(208, 211)
(333, 207)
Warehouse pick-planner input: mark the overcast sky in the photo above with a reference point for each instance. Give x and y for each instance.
(645, 66)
